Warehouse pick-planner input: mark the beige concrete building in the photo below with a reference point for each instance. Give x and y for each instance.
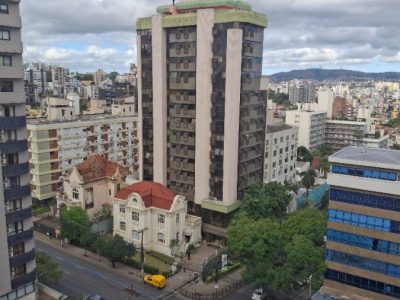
(201, 109)
(92, 184)
(17, 256)
(161, 215)
(57, 146)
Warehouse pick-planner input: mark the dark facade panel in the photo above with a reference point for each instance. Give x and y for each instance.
(12, 123)
(27, 278)
(22, 259)
(19, 215)
(17, 192)
(13, 147)
(20, 237)
(15, 170)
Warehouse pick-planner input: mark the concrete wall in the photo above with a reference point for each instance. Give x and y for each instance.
(205, 23)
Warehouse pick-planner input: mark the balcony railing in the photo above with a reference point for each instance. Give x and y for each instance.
(17, 192)
(12, 122)
(19, 215)
(13, 147)
(20, 237)
(22, 259)
(15, 170)
(23, 279)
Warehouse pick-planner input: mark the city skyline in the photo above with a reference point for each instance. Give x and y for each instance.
(101, 34)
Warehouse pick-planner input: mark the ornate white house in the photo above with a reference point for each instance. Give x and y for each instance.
(161, 215)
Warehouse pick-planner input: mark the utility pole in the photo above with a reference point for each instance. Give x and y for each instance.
(142, 253)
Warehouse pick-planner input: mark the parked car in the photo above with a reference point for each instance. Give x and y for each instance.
(157, 281)
(94, 297)
(259, 294)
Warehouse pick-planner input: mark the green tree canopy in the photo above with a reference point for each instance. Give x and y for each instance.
(266, 200)
(117, 249)
(47, 269)
(74, 223)
(303, 154)
(279, 253)
(308, 179)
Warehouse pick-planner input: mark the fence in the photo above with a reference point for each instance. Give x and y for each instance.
(218, 294)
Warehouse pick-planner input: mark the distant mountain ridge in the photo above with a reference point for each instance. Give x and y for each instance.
(333, 74)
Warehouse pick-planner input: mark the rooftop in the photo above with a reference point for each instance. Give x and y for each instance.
(375, 157)
(278, 127)
(185, 5)
(83, 118)
(97, 167)
(153, 194)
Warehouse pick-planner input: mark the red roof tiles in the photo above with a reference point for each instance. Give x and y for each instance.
(153, 194)
(96, 167)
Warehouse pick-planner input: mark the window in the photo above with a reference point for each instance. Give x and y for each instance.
(5, 60)
(369, 173)
(161, 218)
(122, 208)
(161, 237)
(6, 86)
(135, 235)
(4, 8)
(10, 182)
(8, 135)
(135, 216)
(9, 159)
(18, 271)
(4, 34)
(9, 111)
(14, 228)
(16, 250)
(75, 194)
(177, 218)
(122, 226)
(14, 205)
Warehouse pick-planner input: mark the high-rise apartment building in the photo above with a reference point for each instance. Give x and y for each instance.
(363, 235)
(202, 111)
(57, 146)
(17, 257)
(35, 82)
(98, 77)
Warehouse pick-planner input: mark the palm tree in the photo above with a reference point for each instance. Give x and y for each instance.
(324, 165)
(308, 179)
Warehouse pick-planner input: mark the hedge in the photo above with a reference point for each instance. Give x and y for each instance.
(136, 264)
(164, 258)
(230, 269)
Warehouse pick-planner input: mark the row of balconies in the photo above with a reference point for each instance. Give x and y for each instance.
(184, 152)
(182, 165)
(182, 113)
(182, 126)
(182, 99)
(182, 177)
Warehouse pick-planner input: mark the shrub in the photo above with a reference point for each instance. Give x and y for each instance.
(230, 269)
(136, 264)
(164, 258)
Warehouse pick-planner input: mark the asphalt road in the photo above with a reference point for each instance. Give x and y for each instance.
(81, 278)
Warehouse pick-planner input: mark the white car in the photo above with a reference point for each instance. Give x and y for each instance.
(259, 294)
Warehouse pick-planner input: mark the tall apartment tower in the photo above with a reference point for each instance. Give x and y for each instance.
(203, 114)
(17, 258)
(363, 235)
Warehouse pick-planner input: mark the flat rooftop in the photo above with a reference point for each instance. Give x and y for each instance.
(80, 118)
(278, 127)
(374, 157)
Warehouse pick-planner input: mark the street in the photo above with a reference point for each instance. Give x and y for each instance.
(81, 278)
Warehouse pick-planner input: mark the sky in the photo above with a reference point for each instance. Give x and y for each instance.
(85, 35)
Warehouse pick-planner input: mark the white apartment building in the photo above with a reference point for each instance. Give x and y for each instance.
(280, 153)
(325, 100)
(56, 146)
(311, 126)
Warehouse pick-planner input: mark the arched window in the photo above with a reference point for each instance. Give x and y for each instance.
(75, 194)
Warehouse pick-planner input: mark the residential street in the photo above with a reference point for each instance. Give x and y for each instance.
(83, 278)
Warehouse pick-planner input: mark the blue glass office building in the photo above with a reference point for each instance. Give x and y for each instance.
(363, 235)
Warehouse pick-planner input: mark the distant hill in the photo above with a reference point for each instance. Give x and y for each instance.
(327, 75)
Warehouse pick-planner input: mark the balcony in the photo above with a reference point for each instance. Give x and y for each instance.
(24, 279)
(20, 237)
(12, 122)
(13, 97)
(11, 47)
(15, 170)
(10, 20)
(17, 192)
(12, 72)
(13, 146)
(19, 215)
(22, 259)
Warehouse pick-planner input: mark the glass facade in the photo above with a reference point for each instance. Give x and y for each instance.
(357, 198)
(363, 283)
(363, 242)
(364, 172)
(363, 263)
(364, 221)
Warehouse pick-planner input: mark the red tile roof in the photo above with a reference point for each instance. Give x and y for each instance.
(153, 194)
(96, 167)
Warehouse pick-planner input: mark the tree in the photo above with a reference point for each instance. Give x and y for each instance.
(117, 249)
(308, 179)
(47, 269)
(303, 154)
(268, 200)
(86, 240)
(74, 223)
(324, 166)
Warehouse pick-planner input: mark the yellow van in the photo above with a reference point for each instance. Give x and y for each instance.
(157, 281)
